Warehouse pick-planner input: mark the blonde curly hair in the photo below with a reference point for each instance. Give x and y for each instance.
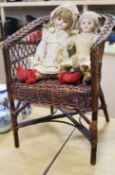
(67, 12)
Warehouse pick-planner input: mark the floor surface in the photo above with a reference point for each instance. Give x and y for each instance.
(42, 143)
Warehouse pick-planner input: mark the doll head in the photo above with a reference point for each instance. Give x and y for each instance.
(64, 17)
(89, 22)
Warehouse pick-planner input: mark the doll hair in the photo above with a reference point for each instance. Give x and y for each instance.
(90, 15)
(63, 13)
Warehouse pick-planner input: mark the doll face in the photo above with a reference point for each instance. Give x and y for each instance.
(87, 25)
(61, 24)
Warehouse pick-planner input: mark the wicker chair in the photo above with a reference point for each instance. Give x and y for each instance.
(70, 99)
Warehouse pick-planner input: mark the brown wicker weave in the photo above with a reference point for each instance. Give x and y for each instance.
(70, 99)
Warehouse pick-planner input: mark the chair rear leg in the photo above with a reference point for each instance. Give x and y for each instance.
(103, 104)
(52, 110)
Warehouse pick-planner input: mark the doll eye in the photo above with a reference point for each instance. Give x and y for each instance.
(65, 21)
(83, 23)
(59, 18)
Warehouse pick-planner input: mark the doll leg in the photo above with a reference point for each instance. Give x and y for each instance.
(29, 76)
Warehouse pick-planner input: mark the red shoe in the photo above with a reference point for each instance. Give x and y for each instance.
(70, 77)
(21, 73)
(31, 76)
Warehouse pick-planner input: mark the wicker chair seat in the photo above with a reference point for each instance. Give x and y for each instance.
(48, 91)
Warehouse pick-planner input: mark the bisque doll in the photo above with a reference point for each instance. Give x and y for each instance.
(88, 25)
(62, 21)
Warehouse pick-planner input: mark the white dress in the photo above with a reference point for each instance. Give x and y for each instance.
(47, 49)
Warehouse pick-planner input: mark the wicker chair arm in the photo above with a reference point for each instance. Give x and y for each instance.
(97, 49)
(96, 53)
(17, 36)
(107, 28)
(105, 32)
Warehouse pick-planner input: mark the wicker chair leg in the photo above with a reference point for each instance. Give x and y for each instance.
(93, 137)
(15, 131)
(93, 154)
(103, 104)
(16, 138)
(52, 110)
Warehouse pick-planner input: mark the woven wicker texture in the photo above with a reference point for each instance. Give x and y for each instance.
(50, 92)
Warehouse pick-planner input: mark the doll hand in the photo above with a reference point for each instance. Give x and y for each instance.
(86, 74)
(65, 67)
(75, 61)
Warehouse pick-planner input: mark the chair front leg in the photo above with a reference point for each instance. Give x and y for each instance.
(93, 153)
(93, 138)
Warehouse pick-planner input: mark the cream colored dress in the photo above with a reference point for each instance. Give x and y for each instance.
(47, 49)
(83, 43)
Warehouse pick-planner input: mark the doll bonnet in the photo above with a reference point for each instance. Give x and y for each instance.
(91, 15)
(72, 8)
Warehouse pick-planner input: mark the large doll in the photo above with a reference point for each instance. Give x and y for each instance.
(62, 21)
(88, 26)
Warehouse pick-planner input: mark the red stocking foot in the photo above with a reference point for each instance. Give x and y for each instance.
(70, 77)
(21, 73)
(31, 76)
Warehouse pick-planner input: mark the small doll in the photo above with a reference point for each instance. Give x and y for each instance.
(62, 21)
(88, 25)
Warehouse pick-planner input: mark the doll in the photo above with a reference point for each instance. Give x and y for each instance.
(88, 25)
(62, 21)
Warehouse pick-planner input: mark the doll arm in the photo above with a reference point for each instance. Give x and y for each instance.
(63, 52)
(95, 38)
(41, 48)
(39, 55)
(40, 52)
